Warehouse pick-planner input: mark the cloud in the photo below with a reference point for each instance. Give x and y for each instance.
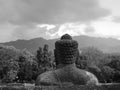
(46, 26)
(73, 29)
(50, 11)
(89, 30)
(116, 19)
(107, 28)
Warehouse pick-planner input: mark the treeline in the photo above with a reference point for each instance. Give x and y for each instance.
(23, 66)
(105, 66)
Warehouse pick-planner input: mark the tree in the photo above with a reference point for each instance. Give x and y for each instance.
(39, 56)
(45, 59)
(93, 55)
(8, 63)
(28, 67)
(115, 63)
(108, 73)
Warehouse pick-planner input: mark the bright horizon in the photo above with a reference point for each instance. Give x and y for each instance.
(51, 19)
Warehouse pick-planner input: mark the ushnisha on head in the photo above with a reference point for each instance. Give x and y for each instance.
(66, 50)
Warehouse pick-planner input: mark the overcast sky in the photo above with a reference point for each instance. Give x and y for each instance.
(27, 19)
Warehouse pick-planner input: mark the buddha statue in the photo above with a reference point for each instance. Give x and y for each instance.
(66, 51)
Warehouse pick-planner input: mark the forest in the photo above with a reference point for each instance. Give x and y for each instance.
(22, 66)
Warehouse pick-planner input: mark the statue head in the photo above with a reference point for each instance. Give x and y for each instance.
(66, 50)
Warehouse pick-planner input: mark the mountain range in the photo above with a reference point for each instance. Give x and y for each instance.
(107, 45)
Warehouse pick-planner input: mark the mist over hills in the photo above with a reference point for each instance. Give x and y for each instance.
(108, 45)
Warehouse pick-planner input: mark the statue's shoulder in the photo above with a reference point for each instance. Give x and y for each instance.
(46, 75)
(92, 78)
(88, 77)
(46, 78)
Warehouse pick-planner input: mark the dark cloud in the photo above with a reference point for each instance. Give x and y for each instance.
(28, 32)
(50, 11)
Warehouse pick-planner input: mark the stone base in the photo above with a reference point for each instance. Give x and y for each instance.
(81, 87)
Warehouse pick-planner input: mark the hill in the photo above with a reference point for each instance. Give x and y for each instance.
(108, 45)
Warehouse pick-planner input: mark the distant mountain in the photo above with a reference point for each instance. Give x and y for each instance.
(108, 45)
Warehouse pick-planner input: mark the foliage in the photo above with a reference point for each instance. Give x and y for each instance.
(16, 65)
(115, 63)
(108, 73)
(45, 59)
(11, 75)
(23, 66)
(105, 66)
(82, 64)
(8, 63)
(28, 67)
(93, 55)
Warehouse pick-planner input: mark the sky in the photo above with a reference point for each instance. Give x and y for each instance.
(27, 19)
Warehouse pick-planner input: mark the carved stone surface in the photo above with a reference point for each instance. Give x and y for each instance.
(69, 75)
